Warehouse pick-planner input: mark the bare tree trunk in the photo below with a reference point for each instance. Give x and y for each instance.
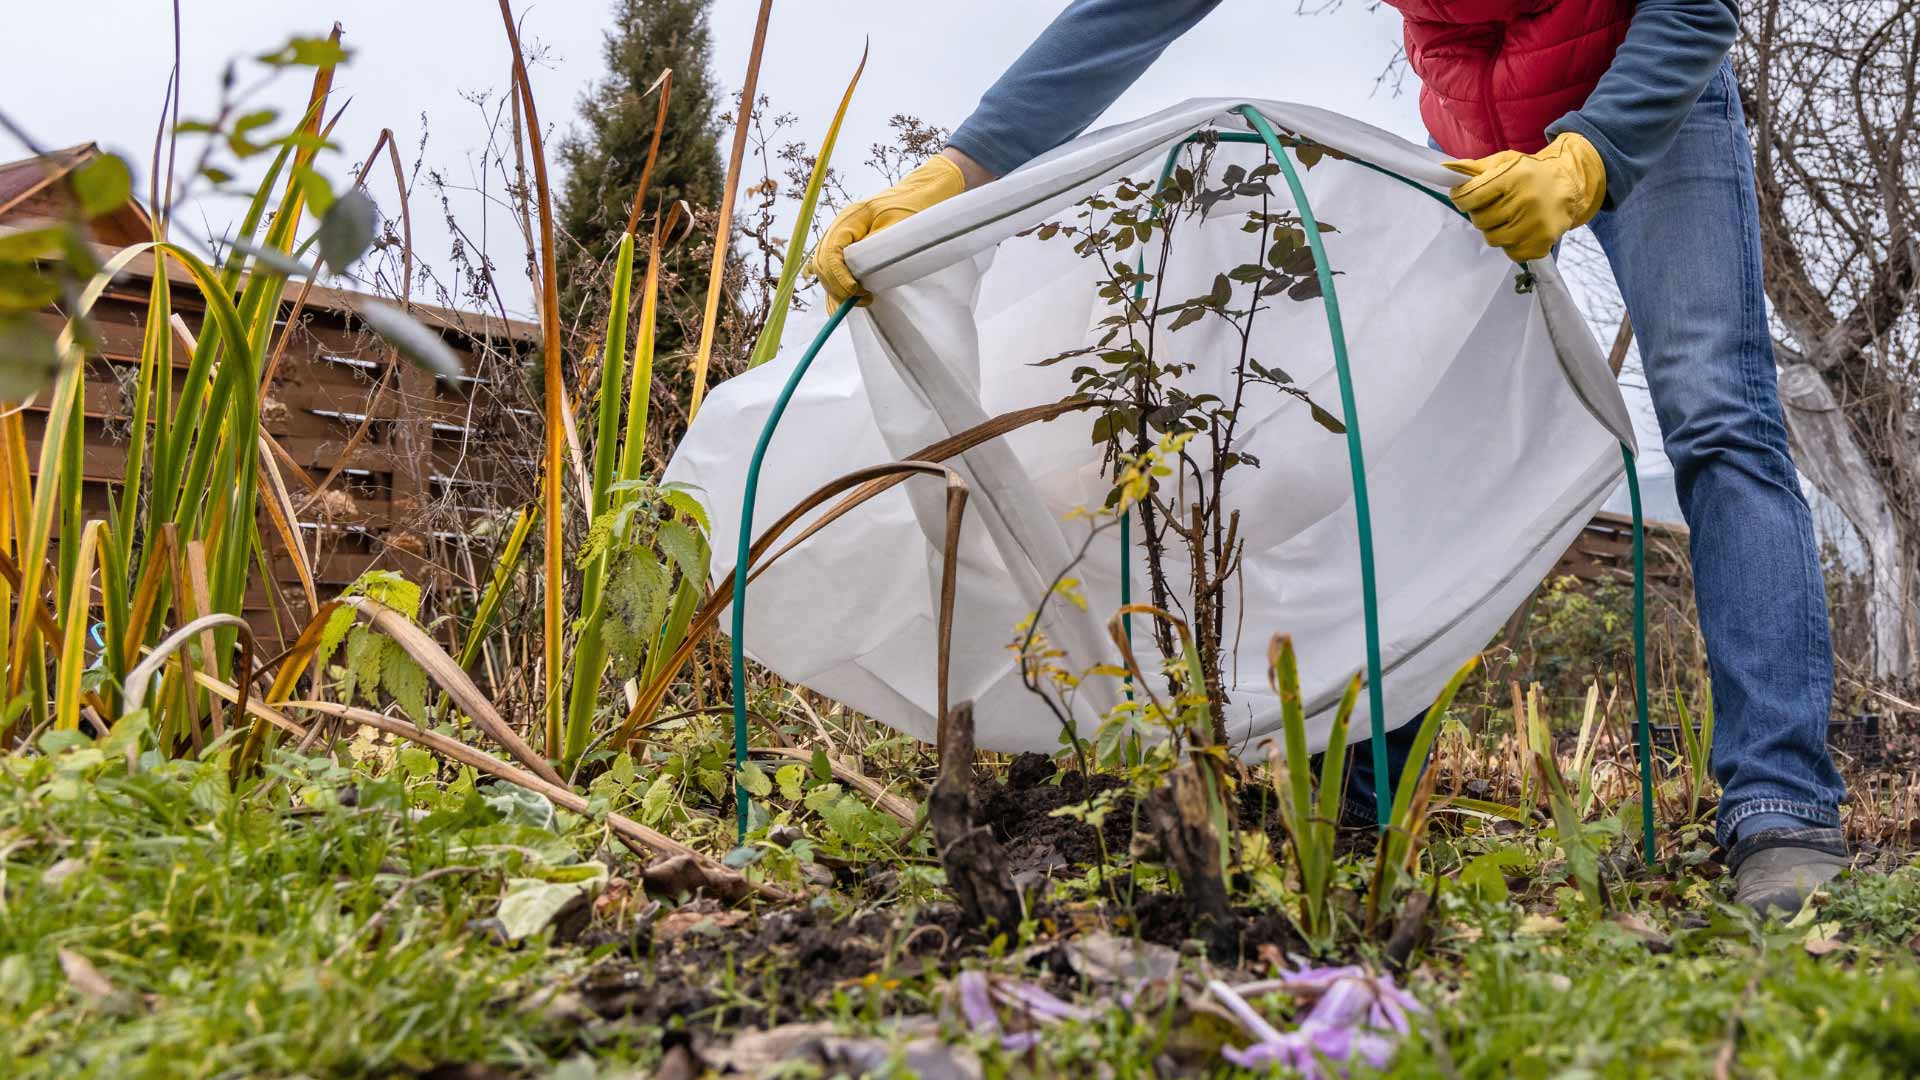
(1831, 93)
(1826, 451)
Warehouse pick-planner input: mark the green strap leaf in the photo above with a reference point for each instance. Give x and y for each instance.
(768, 344)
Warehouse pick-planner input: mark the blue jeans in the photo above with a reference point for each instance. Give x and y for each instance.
(1685, 250)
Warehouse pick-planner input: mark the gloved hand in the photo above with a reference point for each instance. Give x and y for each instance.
(936, 181)
(1525, 203)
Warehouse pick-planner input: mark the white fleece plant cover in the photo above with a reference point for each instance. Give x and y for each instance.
(1492, 433)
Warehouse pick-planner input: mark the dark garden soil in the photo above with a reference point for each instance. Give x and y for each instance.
(702, 972)
(706, 965)
(763, 970)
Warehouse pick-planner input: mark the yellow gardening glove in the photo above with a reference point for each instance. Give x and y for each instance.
(936, 181)
(1525, 203)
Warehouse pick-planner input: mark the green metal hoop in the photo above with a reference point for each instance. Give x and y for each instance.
(1264, 133)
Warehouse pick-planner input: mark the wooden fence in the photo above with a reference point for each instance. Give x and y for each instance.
(405, 458)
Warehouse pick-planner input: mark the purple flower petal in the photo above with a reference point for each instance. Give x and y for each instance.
(976, 1001)
(1320, 978)
(1344, 1004)
(1355, 1015)
(1289, 1050)
(1257, 1056)
(1019, 1042)
(1375, 1049)
(1249, 1017)
(1388, 1016)
(1333, 1043)
(1039, 1003)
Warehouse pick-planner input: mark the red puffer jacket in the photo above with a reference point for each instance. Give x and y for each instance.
(1495, 73)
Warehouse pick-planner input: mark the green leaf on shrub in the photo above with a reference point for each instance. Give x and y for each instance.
(1486, 874)
(102, 185)
(681, 498)
(415, 342)
(317, 52)
(30, 244)
(790, 779)
(416, 762)
(684, 548)
(406, 680)
(238, 140)
(25, 287)
(532, 903)
(346, 230)
(653, 805)
(636, 597)
(1326, 419)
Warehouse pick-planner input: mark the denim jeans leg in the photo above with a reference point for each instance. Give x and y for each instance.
(1685, 249)
(1356, 798)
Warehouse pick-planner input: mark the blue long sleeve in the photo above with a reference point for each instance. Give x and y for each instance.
(1673, 48)
(1069, 75)
(1097, 48)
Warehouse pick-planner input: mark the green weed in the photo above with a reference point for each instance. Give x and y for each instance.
(225, 935)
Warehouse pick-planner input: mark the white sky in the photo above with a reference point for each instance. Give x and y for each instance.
(95, 70)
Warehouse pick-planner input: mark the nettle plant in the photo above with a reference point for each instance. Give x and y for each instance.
(1169, 448)
(374, 662)
(655, 551)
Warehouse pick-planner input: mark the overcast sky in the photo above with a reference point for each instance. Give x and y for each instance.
(96, 70)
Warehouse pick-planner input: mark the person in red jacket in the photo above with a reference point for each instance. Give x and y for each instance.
(1617, 114)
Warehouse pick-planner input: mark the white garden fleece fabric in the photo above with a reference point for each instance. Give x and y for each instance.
(1492, 433)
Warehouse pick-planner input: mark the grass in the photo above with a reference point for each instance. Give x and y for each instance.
(1592, 998)
(333, 917)
(236, 942)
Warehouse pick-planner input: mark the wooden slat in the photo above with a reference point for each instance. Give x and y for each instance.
(1604, 552)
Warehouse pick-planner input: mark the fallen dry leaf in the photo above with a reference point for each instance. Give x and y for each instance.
(83, 976)
(613, 898)
(682, 875)
(914, 1045)
(678, 924)
(1649, 935)
(59, 872)
(1823, 938)
(681, 1063)
(1108, 958)
(1539, 926)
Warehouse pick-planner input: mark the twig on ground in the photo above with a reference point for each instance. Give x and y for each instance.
(399, 894)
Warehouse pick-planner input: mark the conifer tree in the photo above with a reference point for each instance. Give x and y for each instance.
(606, 151)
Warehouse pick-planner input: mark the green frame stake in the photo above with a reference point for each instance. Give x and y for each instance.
(1263, 133)
(1356, 457)
(1642, 732)
(737, 656)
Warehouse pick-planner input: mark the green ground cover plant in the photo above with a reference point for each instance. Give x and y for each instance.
(348, 914)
